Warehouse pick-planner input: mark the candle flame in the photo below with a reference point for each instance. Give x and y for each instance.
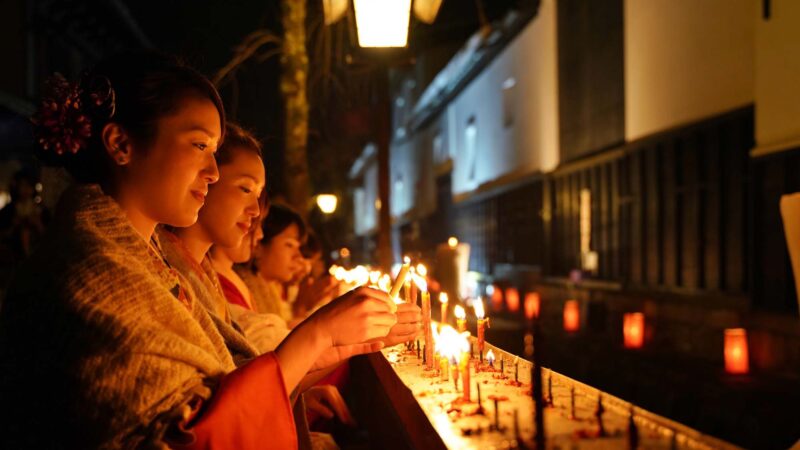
(490, 356)
(452, 242)
(449, 343)
(422, 270)
(374, 277)
(443, 297)
(385, 283)
(406, 260)
(459, 312)
(420, 282)
(477, 305)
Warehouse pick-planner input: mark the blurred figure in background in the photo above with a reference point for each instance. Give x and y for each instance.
(23, 220)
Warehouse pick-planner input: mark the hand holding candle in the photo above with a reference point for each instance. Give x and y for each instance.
(400, 281)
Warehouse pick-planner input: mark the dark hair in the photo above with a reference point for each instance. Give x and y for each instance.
(278, 219)
(133, 90)
(236, 137)
(312, 245)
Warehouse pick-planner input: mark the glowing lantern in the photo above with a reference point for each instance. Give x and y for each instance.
(572, 316)
(736, 355)
(532, 304)
(382, 23)
(496, 294)
(327, 203)
(512, 299)
(633, 330)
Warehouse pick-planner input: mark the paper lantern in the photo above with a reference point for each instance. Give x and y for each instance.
(512, 299)
(382, 23)
(532, 304)
(736, 354)
(426, 10)
(633, 330)
(572, 316)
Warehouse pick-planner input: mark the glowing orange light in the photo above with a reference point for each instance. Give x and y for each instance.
(633, 330)
(532, 303)
(572, 316)
(736, 355)
(512, 299)
(497, 298)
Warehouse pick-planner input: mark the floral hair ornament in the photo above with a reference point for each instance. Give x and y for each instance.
(62, 124)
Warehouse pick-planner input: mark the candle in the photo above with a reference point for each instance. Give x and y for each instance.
(572, 415)
(461, 318)
(502, 365)
(490, 358)
(572, 316)
(443, 299)
(419, 285)
(427, 328)
(465, 375)
(516, 370)
(736, 354)
(532, 305)
(512, 299)
(400, 281)
(407, 286)
(633, 330)
(444, 368)
(483, 323)
(417, 341)
(455, 364)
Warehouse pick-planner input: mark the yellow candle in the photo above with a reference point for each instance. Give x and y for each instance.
(443, 300)
(400, 281)
(444, 368)
(465, 375)
(461, 318)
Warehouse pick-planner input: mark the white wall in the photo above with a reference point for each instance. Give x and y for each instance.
(777, 84)
(364, 198)
(531, 143)
(686, 60)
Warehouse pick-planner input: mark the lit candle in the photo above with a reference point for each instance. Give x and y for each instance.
(456, 365)
(490, 358)
(419, 285)
(512, 299)
(400, 281)
(572, 316)
(443, 299)
(452, 242)
(407, 284)
(736, 354)
(461, 318)
(633, 330)
(444, 369)
(483, 323)
(532, 305)
(465, 375)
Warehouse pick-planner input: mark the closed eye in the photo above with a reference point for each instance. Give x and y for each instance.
(245, 190)
(201, 146)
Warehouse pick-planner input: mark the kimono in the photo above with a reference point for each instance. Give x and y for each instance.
(264, 331)
(104, 345)
(265, 295)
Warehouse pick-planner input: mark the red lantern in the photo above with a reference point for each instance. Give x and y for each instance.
(633, 330)
(572, 316)
(736, 355)
(512, 299)
(497, 298)
(532, 304)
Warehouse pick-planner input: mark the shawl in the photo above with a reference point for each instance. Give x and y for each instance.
(265, 295)
(204, 282)
(101, 343)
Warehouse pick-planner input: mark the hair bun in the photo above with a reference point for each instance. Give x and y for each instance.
(99, 98)
(61, 125)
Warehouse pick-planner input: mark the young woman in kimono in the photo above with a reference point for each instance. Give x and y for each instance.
(101, 343)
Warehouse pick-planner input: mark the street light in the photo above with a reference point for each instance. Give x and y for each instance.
(382, 23)
(327, 203)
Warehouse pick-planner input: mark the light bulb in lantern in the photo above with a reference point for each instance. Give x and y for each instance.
(532, 305)
(736, 354)
(633, 330)
(512, 299)
(452, 242)
(572, 316)
(382, 23)
(327, 203)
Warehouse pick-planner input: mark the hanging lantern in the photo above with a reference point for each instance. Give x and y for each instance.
(572, 316)
(327, 203)
(382, 23)
(736, 354)
(633, 330)
(426, 10)
(512, 299)
(532, 304)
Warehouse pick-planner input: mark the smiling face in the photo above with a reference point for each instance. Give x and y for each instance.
(279, 259)
(169, 179)
(232, 204)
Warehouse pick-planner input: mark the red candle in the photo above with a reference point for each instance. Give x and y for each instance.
(572, 316)
(532, 304)
(512, 299)
(426, 328)
(633, 330)
(736, 354)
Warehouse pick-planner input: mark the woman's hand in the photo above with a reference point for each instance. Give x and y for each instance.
(328, 402)
(408, 326)
(341, 353)
(312, 292)
(356, 317)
